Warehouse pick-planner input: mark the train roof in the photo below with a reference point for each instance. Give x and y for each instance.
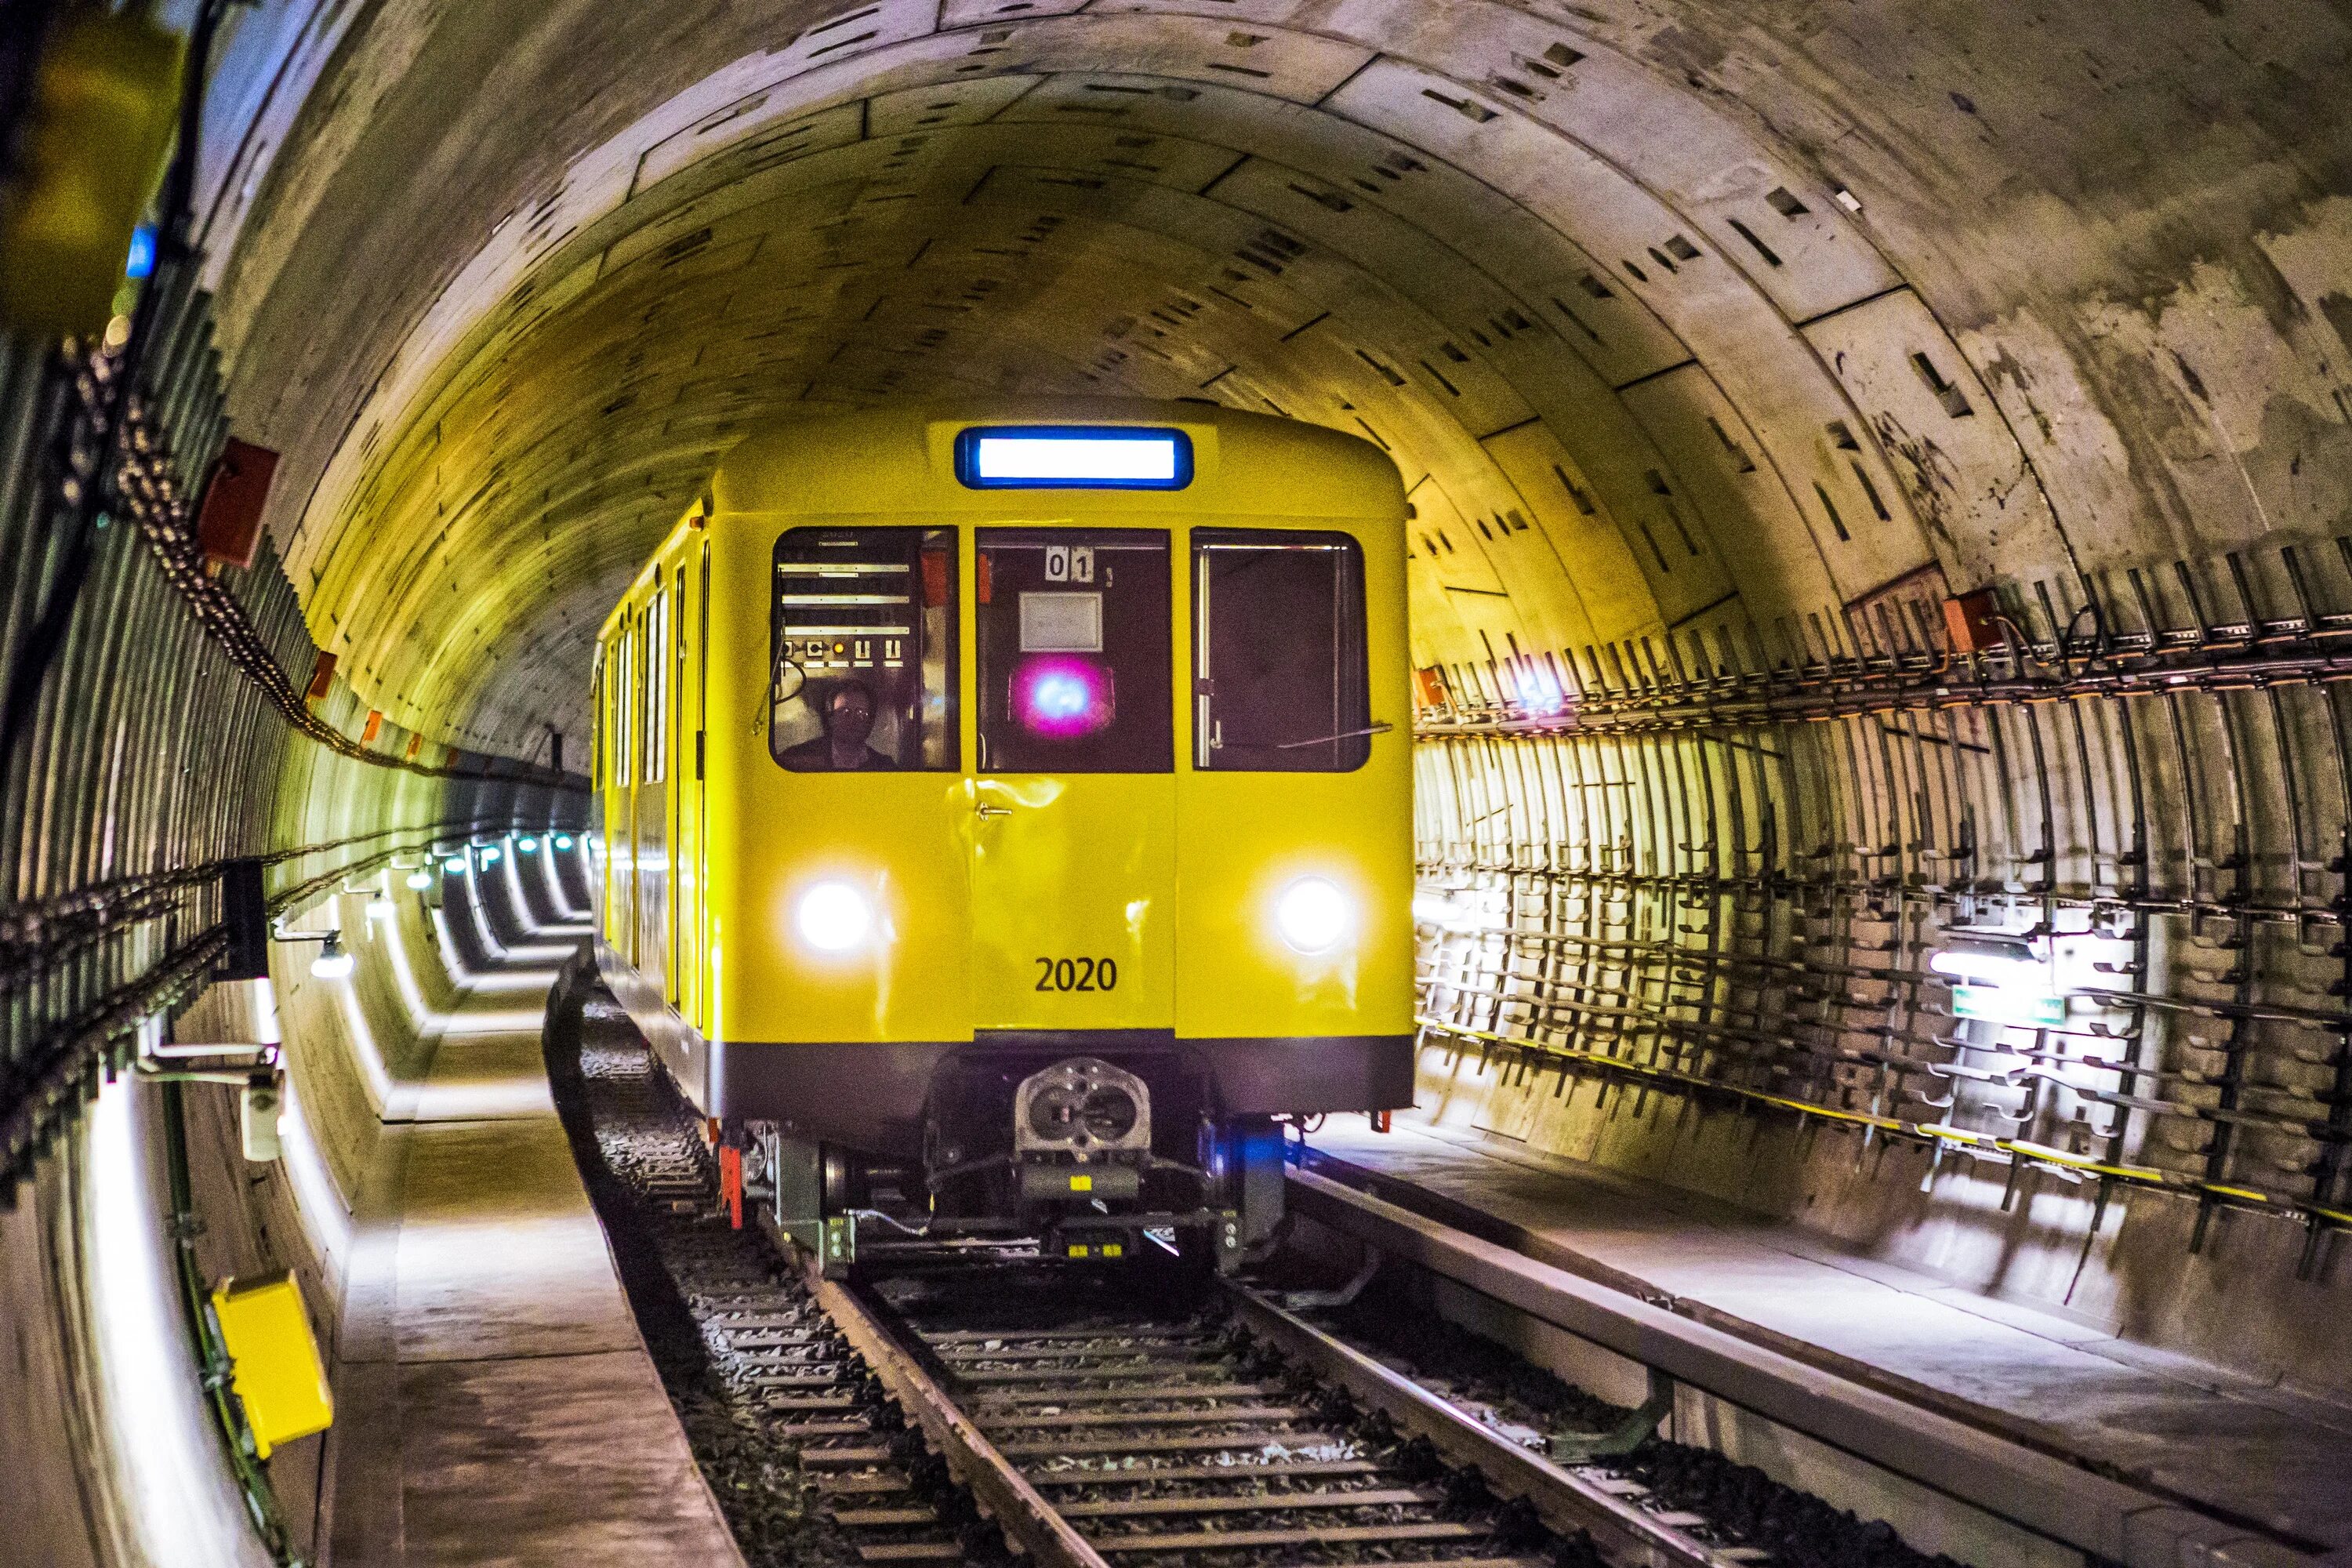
(903, 460)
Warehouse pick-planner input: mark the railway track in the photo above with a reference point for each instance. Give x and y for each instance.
(957, 1410)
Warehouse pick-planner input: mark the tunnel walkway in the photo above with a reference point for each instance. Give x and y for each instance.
(2156, 1418)
(498, 1406)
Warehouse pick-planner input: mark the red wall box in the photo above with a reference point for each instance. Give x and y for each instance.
(229, 526)
(1969, 622)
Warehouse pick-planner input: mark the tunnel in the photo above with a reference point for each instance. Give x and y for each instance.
(1878, 486)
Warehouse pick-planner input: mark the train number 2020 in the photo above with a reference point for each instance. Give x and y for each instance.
(1077, 974)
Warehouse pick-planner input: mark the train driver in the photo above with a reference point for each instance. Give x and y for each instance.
(848, 721)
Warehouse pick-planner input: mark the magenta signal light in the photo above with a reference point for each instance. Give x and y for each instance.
(1062, 699)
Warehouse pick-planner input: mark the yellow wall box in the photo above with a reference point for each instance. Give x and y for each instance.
(278, 1375)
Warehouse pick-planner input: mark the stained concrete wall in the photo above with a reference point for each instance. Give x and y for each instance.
(110, 1454)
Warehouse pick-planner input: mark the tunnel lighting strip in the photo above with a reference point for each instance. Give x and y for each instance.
(54, 1065)
(90, 915)
(1696, 966)
(1930, 1132)
(1711, 1034)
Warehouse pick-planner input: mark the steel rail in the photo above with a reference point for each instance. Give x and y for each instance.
(1028, 1521)
(1565, 1501)
(2038, 1491)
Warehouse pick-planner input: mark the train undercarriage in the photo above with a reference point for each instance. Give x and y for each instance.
(1082, 1159)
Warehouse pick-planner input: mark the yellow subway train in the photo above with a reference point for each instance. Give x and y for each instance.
(1006, 818)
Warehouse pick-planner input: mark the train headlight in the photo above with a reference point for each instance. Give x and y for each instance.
(1311, 914)
(834, 917)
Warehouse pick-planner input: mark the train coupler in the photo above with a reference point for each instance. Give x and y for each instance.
(1048, 1183)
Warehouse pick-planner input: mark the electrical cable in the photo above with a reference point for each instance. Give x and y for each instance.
(85, 493)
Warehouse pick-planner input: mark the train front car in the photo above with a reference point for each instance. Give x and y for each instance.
(1053, 832)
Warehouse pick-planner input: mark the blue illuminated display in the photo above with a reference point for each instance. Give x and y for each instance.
(1073, 457)
(141, 259)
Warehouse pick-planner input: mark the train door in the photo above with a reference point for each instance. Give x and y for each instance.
(600, 730)
(621, 849)
(1073, 869)
(653, 803)
(693, 852)
(681, 739)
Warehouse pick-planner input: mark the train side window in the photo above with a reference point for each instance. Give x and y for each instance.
(625, 734)
(862, 650)
(641, 700)
(656, 687)
(1279, 676)
(599, 726)
(658, 658)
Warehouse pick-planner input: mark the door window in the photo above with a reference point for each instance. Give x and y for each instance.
(1278, 665)
(1074, 651)
(863, 650)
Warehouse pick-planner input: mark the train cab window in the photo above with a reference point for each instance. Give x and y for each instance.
(1278, 665)
(863, 646)
(1072, 626)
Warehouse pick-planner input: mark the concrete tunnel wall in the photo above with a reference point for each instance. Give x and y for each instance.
(1740, 322)
(501, 308)
(111, 1457)
(1742, 333)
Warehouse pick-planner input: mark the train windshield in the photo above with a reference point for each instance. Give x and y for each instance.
(1278, 665)
(1074, 651)
(862, 650)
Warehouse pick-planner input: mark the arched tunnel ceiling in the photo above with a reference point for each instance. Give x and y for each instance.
(1690, 315)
